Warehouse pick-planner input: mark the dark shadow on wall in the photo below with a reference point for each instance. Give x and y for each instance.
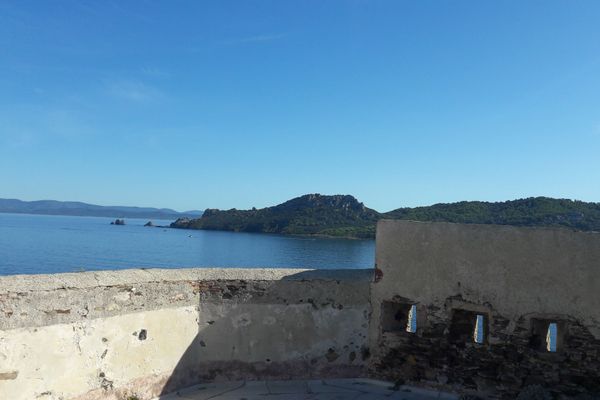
(312, 324)
(444, 352)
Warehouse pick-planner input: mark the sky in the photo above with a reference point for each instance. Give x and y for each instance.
(223, 104)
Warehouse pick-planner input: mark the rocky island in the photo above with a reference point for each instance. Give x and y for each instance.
(311, 214)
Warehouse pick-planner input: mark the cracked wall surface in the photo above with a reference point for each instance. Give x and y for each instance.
(517, 279)
(115, 334)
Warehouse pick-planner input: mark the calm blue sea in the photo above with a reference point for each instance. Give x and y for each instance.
(36, 244)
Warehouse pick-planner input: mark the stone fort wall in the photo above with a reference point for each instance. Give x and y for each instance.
(119, 334)
(518, 280)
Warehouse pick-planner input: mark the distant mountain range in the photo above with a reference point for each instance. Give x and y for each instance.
(52, 207)
(344, 215)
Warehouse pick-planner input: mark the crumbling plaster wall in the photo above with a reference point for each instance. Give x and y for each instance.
(513, 276)
(115, 334)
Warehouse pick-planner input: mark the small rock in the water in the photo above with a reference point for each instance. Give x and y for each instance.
(118, 222)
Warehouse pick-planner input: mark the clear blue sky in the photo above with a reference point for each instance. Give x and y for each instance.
(194, 104)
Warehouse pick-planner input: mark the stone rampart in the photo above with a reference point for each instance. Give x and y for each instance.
(141, 333)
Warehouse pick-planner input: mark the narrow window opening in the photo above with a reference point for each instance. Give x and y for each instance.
(551, 337)
(547, 335)
(478, 331)
(398, 317)
(467, 327)
(411, 325)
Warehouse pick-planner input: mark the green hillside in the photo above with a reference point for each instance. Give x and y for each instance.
(535, 211)
(343, 215)
(311, 214)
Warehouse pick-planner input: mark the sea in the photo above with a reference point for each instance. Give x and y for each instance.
(44, 244)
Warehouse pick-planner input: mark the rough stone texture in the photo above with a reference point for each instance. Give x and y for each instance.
(106, 335)
(321, 389)
(38, 300)
(519, 279)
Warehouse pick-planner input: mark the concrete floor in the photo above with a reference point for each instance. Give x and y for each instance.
(333, 389)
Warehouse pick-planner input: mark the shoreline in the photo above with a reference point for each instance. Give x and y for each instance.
(301, 235)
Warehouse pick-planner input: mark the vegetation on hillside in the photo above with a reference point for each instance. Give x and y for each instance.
(534, 211)
(311, 214)
(344, 216)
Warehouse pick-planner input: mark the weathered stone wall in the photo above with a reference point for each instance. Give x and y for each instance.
(518, 279)
(115, 334)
